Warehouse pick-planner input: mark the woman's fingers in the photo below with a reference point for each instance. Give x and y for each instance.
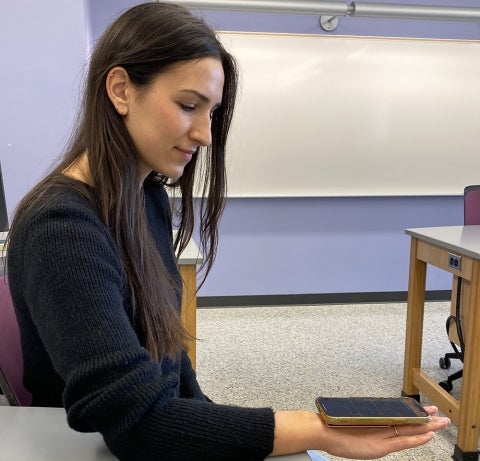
(431, 410)
(436, 423)
(406, 442)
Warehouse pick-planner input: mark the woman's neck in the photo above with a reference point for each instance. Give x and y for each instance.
(79, 170)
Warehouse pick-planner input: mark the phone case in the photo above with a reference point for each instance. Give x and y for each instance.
(371, 411)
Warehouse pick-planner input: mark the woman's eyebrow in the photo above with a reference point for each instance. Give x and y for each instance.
(199, 95)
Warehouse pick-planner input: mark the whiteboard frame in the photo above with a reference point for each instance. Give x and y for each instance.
(325, 115)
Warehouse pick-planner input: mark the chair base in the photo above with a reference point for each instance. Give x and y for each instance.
(448, 383)
(445, 363)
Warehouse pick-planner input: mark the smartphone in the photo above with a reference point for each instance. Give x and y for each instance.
(371, 411)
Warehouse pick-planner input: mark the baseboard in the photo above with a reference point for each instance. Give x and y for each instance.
(316, 298)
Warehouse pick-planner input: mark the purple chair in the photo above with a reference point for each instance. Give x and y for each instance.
(11, 360)
(471, 216)
(471, 208)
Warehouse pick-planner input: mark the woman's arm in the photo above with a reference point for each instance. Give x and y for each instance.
(297, 431)
(72, 294)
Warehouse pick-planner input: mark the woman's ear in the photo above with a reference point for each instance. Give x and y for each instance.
(116, 85)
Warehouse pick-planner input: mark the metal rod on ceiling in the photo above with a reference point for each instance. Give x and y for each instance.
(374, 10)
(265, 6)
(445, 13)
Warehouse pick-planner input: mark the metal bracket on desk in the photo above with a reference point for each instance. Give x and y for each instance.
(413, 396)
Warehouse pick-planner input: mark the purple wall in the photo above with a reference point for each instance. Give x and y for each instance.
(43, 47)
(267, 246)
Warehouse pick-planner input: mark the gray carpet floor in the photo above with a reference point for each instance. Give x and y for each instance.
(284, 357)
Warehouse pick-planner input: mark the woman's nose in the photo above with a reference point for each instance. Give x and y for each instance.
(202, 131)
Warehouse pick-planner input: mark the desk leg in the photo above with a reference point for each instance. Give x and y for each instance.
(189, 307)
(469, 420)
(415, 312)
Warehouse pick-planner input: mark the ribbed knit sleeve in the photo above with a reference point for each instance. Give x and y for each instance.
(80, 349)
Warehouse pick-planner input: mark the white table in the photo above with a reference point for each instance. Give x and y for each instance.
(42, 434)
(3, 236)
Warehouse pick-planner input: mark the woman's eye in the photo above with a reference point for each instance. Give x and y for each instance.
(187, 107)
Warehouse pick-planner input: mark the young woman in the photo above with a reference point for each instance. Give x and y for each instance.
(91, 262)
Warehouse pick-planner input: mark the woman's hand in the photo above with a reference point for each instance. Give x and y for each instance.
(372, 443)
(297, 431)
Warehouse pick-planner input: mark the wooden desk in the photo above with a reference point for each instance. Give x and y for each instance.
(42, 434)
(188, 262)
(436, 246)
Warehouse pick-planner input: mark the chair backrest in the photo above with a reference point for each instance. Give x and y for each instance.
(11, 360)
(471, 202)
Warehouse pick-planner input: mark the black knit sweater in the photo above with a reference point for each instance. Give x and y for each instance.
(82, 352)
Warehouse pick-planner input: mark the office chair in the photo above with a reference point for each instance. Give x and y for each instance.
(471, 216)
(11, 360)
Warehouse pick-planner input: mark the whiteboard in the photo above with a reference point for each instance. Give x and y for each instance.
(353, 116)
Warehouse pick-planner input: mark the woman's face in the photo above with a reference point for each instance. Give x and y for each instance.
(170, 119)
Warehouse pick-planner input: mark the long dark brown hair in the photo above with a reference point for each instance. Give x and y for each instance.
(147, 40)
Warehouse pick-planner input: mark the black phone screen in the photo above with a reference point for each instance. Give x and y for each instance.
(365, 407)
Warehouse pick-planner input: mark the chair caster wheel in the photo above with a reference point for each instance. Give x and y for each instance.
(444, 363)
(447, 385)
